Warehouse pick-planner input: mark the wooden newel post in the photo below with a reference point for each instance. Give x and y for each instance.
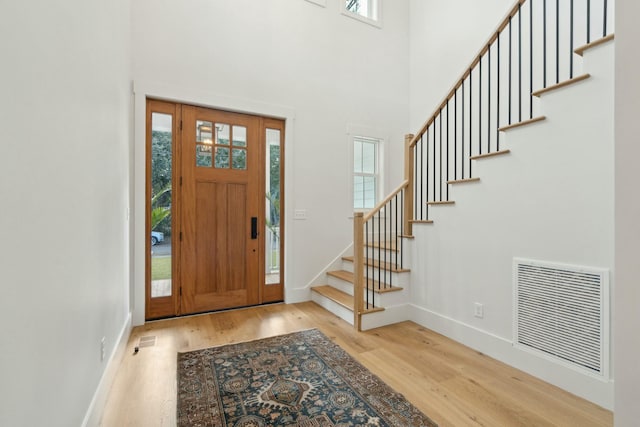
(408, 176)
(358, 268)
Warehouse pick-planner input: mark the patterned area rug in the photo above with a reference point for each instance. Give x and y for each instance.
(300, 379)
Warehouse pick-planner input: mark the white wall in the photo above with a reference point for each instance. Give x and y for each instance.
(627, 206)
(64, 132)
(444, 38)
(328, 70)
(551, 199)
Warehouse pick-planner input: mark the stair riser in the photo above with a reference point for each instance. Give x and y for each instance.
(335, 308)
(397, 279)
(395, 314)
(385, 256)
(380, 299)
(389, 299)
(346, 287)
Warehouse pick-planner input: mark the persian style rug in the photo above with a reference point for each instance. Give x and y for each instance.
(300, 379)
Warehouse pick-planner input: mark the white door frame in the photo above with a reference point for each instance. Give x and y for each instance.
(194, 96)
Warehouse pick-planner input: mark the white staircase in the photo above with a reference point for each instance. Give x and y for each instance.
(386, 286)
(501, 97)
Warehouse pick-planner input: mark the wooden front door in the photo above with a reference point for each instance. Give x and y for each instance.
(214, 210)
(222, 194)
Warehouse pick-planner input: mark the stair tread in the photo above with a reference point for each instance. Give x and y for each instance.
(441, 202)
(522, 123)
(561, 84)
(463, 180)
(375, 263)
(580, 50)
(341, 298)
(374, 285)
(487, 155)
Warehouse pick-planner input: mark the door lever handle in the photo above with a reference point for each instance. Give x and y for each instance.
(254, 228)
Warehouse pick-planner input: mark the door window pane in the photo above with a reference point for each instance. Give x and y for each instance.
(239, 159)
(203, 156)
(161, 158)
(239, 136)
(222, 158)
(222, 134)
(204, 132)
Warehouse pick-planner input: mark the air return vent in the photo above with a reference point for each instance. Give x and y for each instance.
(562, 311)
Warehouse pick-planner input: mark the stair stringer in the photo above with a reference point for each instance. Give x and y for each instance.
(335, 264)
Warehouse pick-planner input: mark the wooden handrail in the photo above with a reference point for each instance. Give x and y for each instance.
(485, 47)
(381, 205)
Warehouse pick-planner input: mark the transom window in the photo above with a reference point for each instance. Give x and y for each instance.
(363, 10)
(365, 172)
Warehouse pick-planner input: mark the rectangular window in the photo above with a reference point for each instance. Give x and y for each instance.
(273, 206)
(160, 218)
(363, 10)
(365, 172)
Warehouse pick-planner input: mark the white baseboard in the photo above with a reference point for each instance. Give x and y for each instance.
(296, 295)
(593, 389)
(390, 315)
(96, 407)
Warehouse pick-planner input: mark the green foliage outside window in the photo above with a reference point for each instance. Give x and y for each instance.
(161, 181)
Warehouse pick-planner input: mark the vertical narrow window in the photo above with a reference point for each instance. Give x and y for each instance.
(161, 173)
(363, 10)
(272, 206)
(365, 172)
(161, 256)
(273, 133)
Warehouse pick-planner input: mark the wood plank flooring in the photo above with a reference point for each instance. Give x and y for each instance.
(452, 384)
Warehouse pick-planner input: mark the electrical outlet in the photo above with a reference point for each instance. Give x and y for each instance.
(478, 310)
(102, 348)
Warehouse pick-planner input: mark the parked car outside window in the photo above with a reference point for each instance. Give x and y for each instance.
(156, 237)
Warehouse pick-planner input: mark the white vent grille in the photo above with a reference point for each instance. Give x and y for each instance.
(562, 311)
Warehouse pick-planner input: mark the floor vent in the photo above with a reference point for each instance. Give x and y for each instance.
(562, 311)
(148, 341)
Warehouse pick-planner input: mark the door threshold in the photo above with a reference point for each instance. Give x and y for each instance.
(205, 313)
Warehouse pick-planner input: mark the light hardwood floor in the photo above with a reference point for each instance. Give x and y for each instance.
(451, 383)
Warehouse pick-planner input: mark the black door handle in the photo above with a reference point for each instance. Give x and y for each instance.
(254, 227)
